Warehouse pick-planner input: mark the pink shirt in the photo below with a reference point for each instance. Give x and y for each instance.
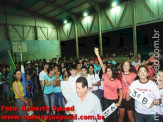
(111, 87)
(129, 79)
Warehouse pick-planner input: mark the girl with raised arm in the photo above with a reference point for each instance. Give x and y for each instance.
(111, 85)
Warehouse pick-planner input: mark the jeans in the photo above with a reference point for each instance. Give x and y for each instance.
(143, 117)
(19, 104)
(58, 97)
(6, 90)
(113, 117)
(160, 119)
(35, 83)
(49, 101)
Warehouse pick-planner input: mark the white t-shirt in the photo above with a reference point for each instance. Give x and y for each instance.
(89, 82)
(161, 105)
(134, 63)
(150, 89)
(41, 75)
(72, 80)
(102, 85)
(79, 74)
(94, 78)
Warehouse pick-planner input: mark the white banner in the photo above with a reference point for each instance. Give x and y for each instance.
(109, 110)
(141, 98)
(66, 89)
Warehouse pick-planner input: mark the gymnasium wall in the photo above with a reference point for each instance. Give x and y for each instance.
(119, 17)
(18, 26)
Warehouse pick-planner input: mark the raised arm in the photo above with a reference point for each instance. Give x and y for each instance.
(99, 59)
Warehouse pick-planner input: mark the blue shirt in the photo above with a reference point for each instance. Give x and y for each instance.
(97, 68)
(112, 62)
(57, 89)
(48, 89)
(29, 89)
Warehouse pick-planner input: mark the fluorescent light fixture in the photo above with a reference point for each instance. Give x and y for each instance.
(85, 14)
(65, 21)
(114, 4)
(115, 10)
(87, 19)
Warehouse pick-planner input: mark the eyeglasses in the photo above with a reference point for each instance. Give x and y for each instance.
(144, 71)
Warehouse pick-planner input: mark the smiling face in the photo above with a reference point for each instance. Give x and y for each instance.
(18, 75)
(126, 66)
(160, 77)
(55, 70)
(91, 69)
(109, 73)
(143, 73)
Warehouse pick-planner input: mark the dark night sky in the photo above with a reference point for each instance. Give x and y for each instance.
(119, 41)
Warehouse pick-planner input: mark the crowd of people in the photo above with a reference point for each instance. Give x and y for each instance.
(97, 82)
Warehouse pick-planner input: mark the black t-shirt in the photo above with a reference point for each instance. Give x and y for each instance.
(28, 71)
(34, 72)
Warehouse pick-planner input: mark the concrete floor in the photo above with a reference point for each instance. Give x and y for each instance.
(37, 101)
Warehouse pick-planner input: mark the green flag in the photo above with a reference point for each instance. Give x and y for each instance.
(12, 68)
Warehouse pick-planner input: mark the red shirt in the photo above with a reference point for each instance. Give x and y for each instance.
(111, 87)
(129, 79)
(150, 72)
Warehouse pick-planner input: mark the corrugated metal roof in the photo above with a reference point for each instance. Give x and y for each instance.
(59, 9)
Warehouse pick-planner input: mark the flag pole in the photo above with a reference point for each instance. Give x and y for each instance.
(11, 58)
(22, 71)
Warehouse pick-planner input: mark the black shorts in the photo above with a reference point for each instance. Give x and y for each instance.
(30, 97)
(129, 105)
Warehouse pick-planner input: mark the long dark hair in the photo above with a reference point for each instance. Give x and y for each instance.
(49, 69)
(91, 65)
(68, 72)
(114, 70)
(14, 73)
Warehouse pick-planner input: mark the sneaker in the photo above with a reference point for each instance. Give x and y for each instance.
(30, 113)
